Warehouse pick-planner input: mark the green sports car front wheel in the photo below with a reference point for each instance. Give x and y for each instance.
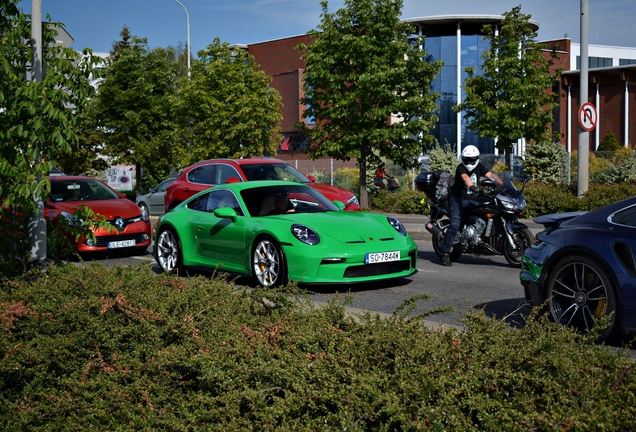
(268, 263)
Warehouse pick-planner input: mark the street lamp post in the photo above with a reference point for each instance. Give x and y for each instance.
(188, 27)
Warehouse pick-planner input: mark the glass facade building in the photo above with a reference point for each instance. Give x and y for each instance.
(442, 34)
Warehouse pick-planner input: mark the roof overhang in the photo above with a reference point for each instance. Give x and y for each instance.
(446, 25)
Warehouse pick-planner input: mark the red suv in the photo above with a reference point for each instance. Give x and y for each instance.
(202, 175)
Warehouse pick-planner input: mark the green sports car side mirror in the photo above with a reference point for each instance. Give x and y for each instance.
(225, 212)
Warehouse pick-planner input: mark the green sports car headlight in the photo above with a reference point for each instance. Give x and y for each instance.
(397, 225)
(304, 234)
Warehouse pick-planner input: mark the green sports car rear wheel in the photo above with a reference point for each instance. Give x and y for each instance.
(169, 251)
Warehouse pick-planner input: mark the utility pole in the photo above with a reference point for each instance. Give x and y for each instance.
(584, 136)
(37, 223)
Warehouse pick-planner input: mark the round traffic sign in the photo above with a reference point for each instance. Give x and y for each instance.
(587, 116)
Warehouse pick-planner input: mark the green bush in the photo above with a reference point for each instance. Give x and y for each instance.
(407, 202)
(608, 143)
(443, 158)
(348, 178)
(541, 198)
(546, 162)
(95, 348)
(544, 198)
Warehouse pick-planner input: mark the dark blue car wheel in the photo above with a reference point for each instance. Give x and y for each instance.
(579, 292)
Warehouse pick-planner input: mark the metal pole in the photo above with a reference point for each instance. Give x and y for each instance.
(37, 223)
(188, 28)
(458, 116)
(584, 136)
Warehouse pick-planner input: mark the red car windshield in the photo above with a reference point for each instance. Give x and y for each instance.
(273, 172)
(80, 190)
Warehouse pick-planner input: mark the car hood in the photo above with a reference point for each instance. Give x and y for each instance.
(345, 227)
(332, 192)
(110, 208)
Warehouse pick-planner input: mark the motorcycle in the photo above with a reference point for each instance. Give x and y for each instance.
(490, 226)
(392, 184)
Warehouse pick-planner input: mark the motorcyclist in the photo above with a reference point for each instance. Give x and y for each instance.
(464, 190)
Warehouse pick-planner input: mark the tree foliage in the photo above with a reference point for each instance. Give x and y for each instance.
(546, 162)
(37, 119)
(84, 157)
(509, 100)
(360, 71)
(133, 108)
(443, 158)
(227, 107)
(609, 143)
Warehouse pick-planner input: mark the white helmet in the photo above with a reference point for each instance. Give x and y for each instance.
(470, 157)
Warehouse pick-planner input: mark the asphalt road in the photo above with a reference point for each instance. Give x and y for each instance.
(485, 283)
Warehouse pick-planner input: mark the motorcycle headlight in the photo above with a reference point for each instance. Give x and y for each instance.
(397, 225)
(508, 205)
(522, 206)
(305, 235)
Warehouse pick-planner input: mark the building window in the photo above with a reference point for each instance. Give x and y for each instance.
(310, 120)
(595, 62)
(625, 62)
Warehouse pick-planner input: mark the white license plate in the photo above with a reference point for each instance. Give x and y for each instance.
(121, 244)
(373, 258)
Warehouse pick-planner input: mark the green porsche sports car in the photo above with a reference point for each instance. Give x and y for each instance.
(277, 232)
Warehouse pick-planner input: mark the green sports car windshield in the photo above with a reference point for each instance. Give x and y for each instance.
(273, 200)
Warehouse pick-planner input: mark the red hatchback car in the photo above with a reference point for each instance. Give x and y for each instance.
(212, 172)
(68, 193)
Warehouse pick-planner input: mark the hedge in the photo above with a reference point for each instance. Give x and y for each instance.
(85, 347)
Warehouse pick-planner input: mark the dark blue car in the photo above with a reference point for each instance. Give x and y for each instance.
(583, 266)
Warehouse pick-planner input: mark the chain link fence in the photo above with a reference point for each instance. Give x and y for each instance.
(345, 174)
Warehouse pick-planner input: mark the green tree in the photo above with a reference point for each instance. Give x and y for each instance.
(36, 118)
(547, 162)
(84, 157)
(367, 87)
(609, 143)
(227, 107)
(509, 100)
(443, 158)
(133, 107)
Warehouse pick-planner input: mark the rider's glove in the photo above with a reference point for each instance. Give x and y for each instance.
(473, 189)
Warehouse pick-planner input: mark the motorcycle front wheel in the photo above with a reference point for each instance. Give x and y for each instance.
(438, 240)
(522, 240)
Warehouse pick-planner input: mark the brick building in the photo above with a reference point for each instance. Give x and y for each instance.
(456, 40)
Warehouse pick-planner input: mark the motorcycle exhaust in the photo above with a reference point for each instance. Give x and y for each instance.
(433, 229)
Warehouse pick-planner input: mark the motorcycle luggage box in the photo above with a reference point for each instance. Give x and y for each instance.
(426, 182)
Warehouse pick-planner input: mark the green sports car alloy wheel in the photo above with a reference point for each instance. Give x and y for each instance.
(168, 250)
(269, 263)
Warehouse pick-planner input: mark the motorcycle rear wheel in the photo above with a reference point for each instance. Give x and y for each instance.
(513, 253)
(438, 240)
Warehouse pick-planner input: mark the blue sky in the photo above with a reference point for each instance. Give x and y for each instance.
(97, 23)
